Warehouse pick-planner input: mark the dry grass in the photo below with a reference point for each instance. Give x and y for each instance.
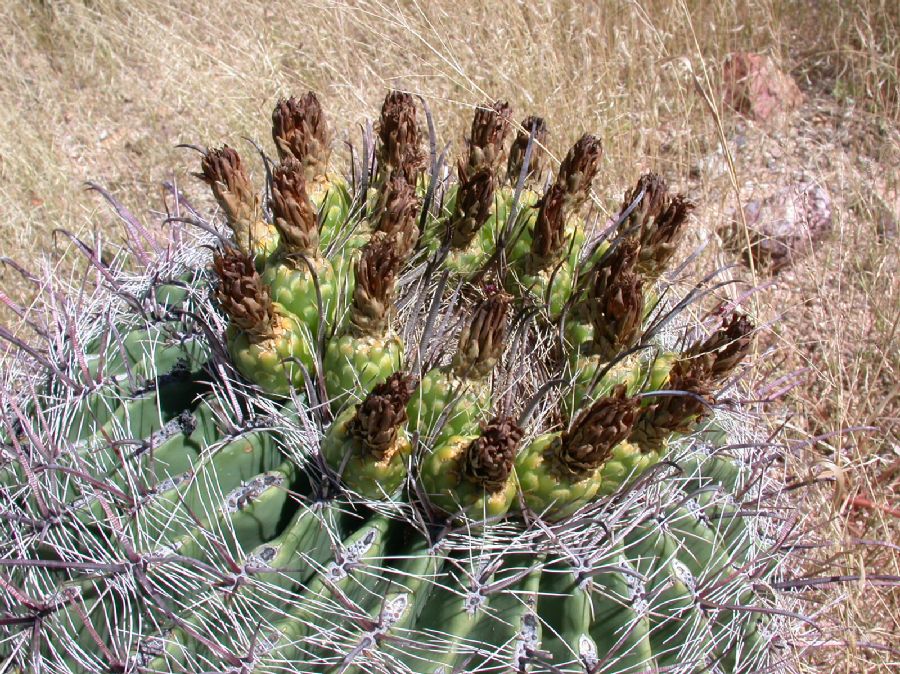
(104, 89)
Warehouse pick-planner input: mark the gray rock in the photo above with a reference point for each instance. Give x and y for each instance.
(785, 225)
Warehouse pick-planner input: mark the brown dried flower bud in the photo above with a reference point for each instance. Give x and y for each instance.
(489, 458)
(294, 215)
(490, 126)
(242, 294)
(617, 316)
(718, 355)
(549, 235)
(376, 275)
(616, 300)
(674, 413)
(223, 171)
(299, 129)
(482, 341)
(588, 444)
(399, 135)
(400, 215)
(381, 414)
(579, 168)
(650, 193)
(537, 163)
(660, 239)
(474, 202)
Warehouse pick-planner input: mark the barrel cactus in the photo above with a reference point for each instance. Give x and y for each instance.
(384, 420)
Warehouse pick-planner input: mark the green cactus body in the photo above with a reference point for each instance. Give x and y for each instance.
(448, 622)
(393, 605)
(275, 364)
(228, 464)
(512, 631)
(465, 262)
(248, 516)
(147, 353)
(450, 490)
(348, 574)
(584, 370)
(371, 478)
(637, 372)
(355, 364)
(265, 243)
(621, 622)
(468, 401)
(566, 606)
(334, 213)
(342, 517)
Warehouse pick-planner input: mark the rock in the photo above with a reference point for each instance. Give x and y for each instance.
(784, 225)
(757, 88)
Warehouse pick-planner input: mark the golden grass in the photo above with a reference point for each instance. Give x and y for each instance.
(104, 89)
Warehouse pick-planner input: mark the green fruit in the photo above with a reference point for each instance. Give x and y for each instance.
(297, 289)
(275, 364)
(375, 477)
(446, 405)
(474, 474)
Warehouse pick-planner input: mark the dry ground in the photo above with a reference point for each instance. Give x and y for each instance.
(104, 89)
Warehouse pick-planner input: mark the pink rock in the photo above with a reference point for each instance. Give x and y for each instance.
(756, 88)
(786, 224)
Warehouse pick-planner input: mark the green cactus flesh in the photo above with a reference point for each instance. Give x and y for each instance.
(263, 469)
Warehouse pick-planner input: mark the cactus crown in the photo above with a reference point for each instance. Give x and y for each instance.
(257, 484)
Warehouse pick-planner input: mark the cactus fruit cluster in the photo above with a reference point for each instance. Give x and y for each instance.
(392, 418)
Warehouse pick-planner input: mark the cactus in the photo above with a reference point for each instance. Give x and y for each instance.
(349, 448)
